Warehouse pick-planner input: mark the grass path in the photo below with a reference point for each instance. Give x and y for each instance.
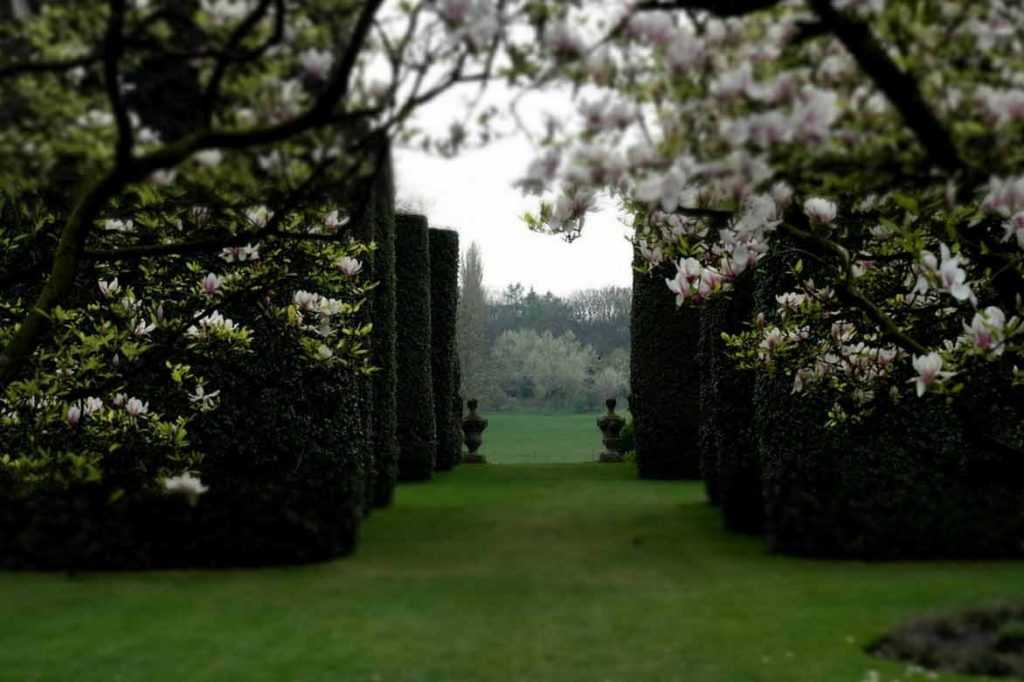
(504, 573)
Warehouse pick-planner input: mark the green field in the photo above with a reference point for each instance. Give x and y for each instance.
(540, 438)
(574, 572)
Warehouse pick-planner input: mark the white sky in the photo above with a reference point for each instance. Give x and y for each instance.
(473, 194)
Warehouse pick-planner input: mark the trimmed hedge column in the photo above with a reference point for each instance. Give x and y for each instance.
(664, 379)
(417, 431)
(444, 300)
(385, 348)
(729, 463)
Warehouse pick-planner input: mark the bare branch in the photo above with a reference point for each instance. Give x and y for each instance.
(113, 50)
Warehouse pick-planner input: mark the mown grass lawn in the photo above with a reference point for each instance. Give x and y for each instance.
(541, 438)
(573, 572)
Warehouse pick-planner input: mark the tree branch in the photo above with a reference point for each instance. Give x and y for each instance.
(113, 49)
(899, 87)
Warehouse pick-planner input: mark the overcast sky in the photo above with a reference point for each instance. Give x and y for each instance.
(473, 194)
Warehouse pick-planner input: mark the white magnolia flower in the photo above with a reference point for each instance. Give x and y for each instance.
(223, 11)
(348, 265)
(109, 289)
(1015, 228)
(163, 177)
(116, 225)
(92, 405)
(820, 211)
(987, 330)
(73, 416)
(334, 220)
(305, 300)
(187, 485)
(929, 372)
(212, 323)
(135, 407)
(209, 157)
(119, 399)
(240, 254)
(210, 284)
(143, 328)
(205, 401)
(316, 64)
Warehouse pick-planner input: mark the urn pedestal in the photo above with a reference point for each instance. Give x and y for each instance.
(473, 426)
(611, 426)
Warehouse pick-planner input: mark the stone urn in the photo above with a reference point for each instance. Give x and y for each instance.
(473, 426)
(611, 426)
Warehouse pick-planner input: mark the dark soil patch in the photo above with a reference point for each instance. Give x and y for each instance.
(978, 642)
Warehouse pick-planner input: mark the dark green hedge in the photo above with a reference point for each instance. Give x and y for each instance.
(910, 481)
(286, 468)
(729, 463)
(417, 431)
(385, 348)
(444, 303)
(664, 379)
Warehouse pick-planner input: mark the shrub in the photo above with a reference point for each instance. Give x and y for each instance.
(664, 380)
(729, 463)
(910, 479)
(385, 348)
(286, 461)
(444, 303)
(417, 431)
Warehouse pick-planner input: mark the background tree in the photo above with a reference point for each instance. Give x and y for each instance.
(471, 328)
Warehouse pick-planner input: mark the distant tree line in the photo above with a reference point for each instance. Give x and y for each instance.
(523, 348)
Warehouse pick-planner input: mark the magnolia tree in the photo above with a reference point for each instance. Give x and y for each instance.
(873, 146)
(165, 162)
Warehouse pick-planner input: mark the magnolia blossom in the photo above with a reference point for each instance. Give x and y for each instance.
(240, 254)
(316, 64)
(259, 216)
(209, 157)
(693, 281)
(119, 399)
(305, 300)
(92, 405)
(210, 284)
(73, 416)
(135, 407)
(205, 401)
(946, 274)
(116, 225)
(929, 372)
(109, 289)
(987, 330)
(187, 485)
(1005, 197)
(334, 220)
(820, 211)
(563, 41)
(654, 27)
(791, 301)
(213, 323)
(223, 11)
(1015, 228)
(164, 177)
(348, 265)
(143, 328)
